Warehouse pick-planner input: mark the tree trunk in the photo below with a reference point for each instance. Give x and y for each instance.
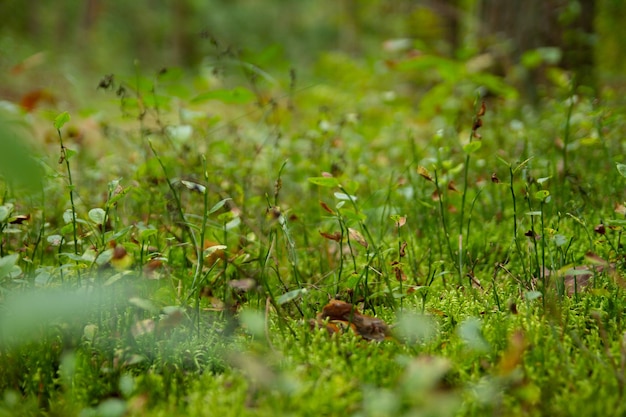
(517, 26)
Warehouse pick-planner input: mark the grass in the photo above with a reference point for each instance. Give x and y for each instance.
(210, 217)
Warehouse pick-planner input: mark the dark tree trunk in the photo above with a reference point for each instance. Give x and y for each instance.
(522, 25)
(578, 48)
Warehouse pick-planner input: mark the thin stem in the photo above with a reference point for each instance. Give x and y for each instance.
(566, 131)
(179, 207)
(443, 215)
(64, 157)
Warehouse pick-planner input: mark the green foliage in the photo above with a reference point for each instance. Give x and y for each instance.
(205, 232)
(17, 166)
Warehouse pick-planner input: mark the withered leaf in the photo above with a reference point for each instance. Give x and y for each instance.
(338, 316)
(403, 246)
(150, 268)
(401, 221)
(331, 236)
(400, 275)
(513, 355)
(357, 236)
(30, 100)
(532, 234)
(423, 172)
(595, 259)
(482, 110)
(326, 208)
(19, 219)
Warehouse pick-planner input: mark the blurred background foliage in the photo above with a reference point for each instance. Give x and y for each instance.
(57, 41)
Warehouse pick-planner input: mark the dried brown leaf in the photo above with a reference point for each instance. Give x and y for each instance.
(423, 172)
(338, 316)
(357, 237)
(331, 236)
(403, 246)
(482, 110)
(326, 208)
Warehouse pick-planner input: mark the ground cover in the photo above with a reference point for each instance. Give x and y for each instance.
(167, 248)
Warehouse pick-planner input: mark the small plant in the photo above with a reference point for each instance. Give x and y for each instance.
(424, 271)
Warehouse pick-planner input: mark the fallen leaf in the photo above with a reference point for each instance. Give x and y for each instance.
(339, 316)
(31, 99)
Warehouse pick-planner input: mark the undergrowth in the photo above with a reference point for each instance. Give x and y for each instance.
(171, 255)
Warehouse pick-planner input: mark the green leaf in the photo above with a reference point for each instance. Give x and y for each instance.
(253, 321)
(67, 229)
(324, 181)
(212, 249)
(143, 304)
(471, 333)
(25, 314)
(615, 222)
(104, 257)
(142, 84)
(218, 205)
(8, 264)
(73, 256)
(416, 328)
(16, 159)
(145, 234)
(55, 240)
(542, 194)
(504, 161)
(232, 224)
(5, 211)
(238, 95)
(97, 215)
(68, 216)
(621, 168)
(69, 154)
(560, 239)
(472, 147)
(61, 120)
(291, 295)
(194, 186)
(344, 196)
(532, 295)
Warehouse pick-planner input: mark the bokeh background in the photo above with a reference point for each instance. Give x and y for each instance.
(68, 42)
